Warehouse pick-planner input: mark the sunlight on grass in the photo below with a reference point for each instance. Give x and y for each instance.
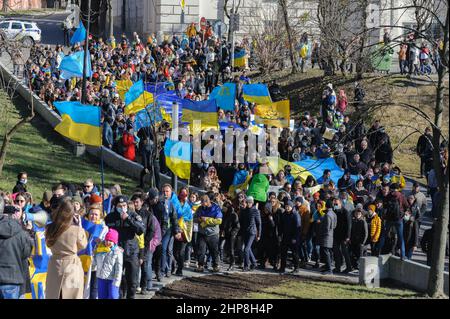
(306, 289)
(46, 157)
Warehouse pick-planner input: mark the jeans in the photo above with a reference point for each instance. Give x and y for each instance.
(341, 253)
(248, 253)
(166, 257)
(222, 242)
(210, 242)
(403, 66)
(106, 289)
(191, 247)
(148, 269)
(306, 248)
(179, 248)
(399, 230)
(93, 293)
(327, 256)
(9, 291)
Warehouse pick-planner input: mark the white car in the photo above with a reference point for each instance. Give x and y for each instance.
(27, 32)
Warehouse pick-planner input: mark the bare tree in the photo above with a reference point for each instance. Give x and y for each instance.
(284, 10)
(5, 6)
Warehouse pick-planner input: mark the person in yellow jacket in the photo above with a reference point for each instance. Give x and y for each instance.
(374, 222)
(397, 177)
(191, 31)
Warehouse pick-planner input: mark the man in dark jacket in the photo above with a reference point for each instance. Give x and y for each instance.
(16, 246)
(231, 227)
(250, 221)
(165, 211)
(410, 234)
(341, 238)
(326, 235)
(424, 150)
(128, 224)
(21, 187)
(290, 224)
(359, 235)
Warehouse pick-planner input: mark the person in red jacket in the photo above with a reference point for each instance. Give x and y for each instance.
(129, 147)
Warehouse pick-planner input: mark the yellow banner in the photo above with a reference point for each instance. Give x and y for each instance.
(276, 114)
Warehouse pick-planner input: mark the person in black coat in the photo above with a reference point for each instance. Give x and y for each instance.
(128, 224)
(359, 234)
(269, 238)
(342, 234)
(345, 182)
(290, 235)
(16, 246)
(21, 184)
(410, 234)
(424, 150)
(231, 227)
(250, 221)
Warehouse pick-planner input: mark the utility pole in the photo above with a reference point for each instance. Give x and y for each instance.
(111, 20)
(232, 18)
(86, 52)
(174, 137)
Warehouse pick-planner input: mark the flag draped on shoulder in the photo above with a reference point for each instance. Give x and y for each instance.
(178, 158)
(79, 35)
(204, 111)
(239, 58)
(72, 66)
(80, 122)
(137, 98)
(274, 114)
(224, 95)
(256, 93)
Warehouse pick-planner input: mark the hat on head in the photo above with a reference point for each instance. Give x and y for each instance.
(112, 235)
(372, 207)
(249, 199)
(299, 199)
(47, 196)
(289, 203)
(395, 186)
(359, 206)
(152, 193)
(316, 195)
(120, 199)
(94, 198)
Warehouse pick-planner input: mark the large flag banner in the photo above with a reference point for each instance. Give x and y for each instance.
(275, 114)
(80, 122)
(178, 158)
(79, 35)
(316, 166)
(147, 117)
(157, 88)
(277, 164)
(72, 66)
(123, 86)
(205, 111)
(257, 93)
(165, 102)
(137, 98)
(239, 58)
(225, 96)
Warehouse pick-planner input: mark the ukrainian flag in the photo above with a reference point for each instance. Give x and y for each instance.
(80, 122)
(178, 158)
(239, 58)
(274, 114)
(205, 111)
(137, 98)
(277, 164)
(257, 93)
(123, 86)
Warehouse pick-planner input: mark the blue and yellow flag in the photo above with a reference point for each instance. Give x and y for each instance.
(239, 58)
(80, 122)
(204, 111)
(277, 164)
(274, 114)
(178, 158)
(225, 96)
(123, 86)
(72, 66)
(39, 258)
(137, 98)
(256, 93)
(79, 35)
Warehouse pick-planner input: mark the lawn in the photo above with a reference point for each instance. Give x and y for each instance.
(37, 149)
(308, 289)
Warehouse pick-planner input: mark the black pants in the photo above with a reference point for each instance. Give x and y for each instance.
(269, 251)
(143, 282)
(231, 245)
(157, 260)
(341, 254)
(357, 252)
(285, 246)
(152, 166)
(179, 248)
(327, 254)
(93, 293)
(210, 242)
(129, 280)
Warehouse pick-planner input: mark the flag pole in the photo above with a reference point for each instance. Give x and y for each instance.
(174, 137)
(86, 50)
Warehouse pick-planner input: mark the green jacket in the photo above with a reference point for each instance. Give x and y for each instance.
(259, 185)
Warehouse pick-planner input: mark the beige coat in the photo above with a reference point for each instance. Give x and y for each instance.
(65, 276)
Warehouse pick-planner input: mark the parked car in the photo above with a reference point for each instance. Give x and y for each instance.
(26, 32)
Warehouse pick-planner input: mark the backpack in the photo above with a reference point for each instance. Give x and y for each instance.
(393, 212)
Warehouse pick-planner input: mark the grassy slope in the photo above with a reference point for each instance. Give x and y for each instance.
(47, 158)
(304, 91)
(305, 289)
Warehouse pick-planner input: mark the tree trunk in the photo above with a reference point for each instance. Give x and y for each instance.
(283, 5)
(360, 63)
(111, 20)
(436, 276)
(5, 5)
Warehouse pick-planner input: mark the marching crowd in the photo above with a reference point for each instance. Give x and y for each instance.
(245, 219)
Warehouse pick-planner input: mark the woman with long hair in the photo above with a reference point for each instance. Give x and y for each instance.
(65, 237)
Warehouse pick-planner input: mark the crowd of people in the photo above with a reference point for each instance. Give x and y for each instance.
(238, 220)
